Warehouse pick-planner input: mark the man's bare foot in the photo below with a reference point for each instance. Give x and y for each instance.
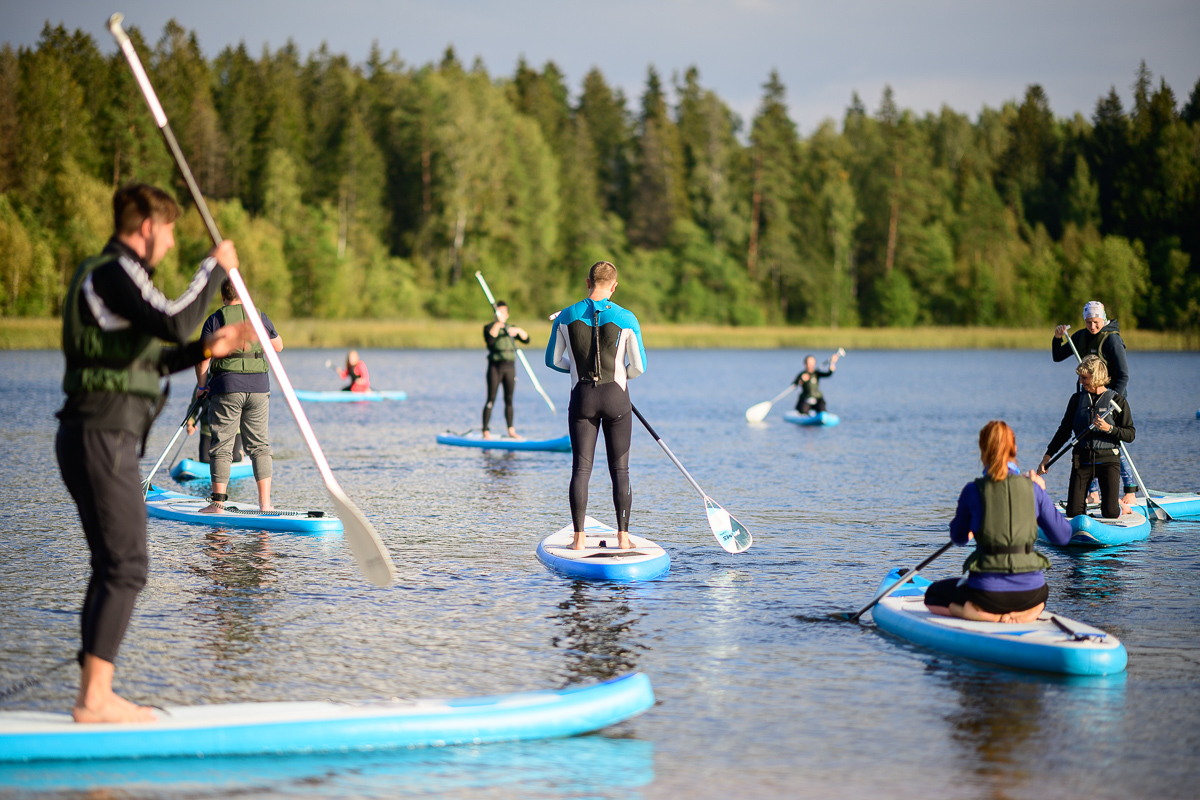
(579, 542)
(267, 507)
(215, 507)
(623, 542)
(512, 433)
(112, 708)
(487, 434)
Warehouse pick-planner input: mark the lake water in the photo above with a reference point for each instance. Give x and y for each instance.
(759, 695)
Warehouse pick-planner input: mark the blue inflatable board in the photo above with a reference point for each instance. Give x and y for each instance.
(241, 729)
(1097, 531)
(186, 508)
(815, 419)
(190, 470)
(559, 445)
(1041, 645)
(600, 560)
(372, 396)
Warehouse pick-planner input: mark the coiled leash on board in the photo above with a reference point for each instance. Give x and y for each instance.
(30, 682)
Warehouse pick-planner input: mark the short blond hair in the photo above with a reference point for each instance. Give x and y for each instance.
(1093, 368)
(602, 273)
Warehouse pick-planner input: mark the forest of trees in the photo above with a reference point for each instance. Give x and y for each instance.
(376, 190)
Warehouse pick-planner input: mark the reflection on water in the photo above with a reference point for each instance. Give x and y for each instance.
(240, 571)
(597, 632)
(1093, 574)
(583, 767)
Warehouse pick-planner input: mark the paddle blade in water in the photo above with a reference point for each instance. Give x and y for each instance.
(731, 534)
(373, 560)
(758, 412)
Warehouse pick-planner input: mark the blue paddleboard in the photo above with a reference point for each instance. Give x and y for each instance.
(559, 445)
(1178, 504)
(601, 560)
(186, 508)
(372, 396)
(241, 729)
(1039, 645)
(189, 470)
(1097, 531)
(817, 418)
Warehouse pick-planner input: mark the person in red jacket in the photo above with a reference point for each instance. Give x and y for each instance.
(356, 372)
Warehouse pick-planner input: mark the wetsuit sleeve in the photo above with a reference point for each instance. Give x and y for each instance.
(129, 292)
(488, 339)
(557, 349)
(823, 373)
(1054, 525)
(1060, 349)
(1118, 365)
(796, 380)
(174, 359)
(636, 355)
(1064, 428)
(1123, 422)
(970, 508)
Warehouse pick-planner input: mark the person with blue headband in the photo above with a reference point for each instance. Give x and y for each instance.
(1100, 337)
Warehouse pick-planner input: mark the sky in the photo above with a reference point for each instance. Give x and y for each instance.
(963, 54)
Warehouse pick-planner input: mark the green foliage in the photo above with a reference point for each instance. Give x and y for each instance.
(376, 190)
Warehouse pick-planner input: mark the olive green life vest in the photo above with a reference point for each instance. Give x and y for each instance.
(1095, 345)
(124, 361)
(503, 347)
(246, 361)
(811, 388)
(1005, 540)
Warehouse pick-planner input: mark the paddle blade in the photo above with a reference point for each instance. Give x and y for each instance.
(758, 412)
(373, 560)
(731, 534)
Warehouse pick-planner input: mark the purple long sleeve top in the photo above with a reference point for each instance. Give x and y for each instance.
(969, 518)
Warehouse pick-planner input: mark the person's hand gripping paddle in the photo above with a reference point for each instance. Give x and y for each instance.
(364, 542)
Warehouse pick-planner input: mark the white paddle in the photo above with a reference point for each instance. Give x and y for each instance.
(364, 542)
(731, 534)
(758, 412)
(520, 355)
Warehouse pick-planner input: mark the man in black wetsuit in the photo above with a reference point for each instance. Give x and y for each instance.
(809, 382)
(600, 344)
(501, 340)
(113, 320)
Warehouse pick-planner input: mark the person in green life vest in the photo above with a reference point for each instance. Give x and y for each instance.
(114, 323)
(809, 381)
(501, 340)
(1001, 513)
(239, 394)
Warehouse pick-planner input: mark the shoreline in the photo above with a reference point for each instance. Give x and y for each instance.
(44, 333)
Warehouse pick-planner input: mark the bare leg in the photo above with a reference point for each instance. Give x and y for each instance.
(96, 701)
(941, 611)
(969, 610)
(216, 505)
(578, 542)
(264, 495)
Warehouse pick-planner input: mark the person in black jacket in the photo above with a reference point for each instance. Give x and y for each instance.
(114, 322)
(1100, 419)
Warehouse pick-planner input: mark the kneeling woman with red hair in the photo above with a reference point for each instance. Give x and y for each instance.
(1001, 512)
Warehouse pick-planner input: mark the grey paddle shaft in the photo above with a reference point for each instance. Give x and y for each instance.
(520, 355)
(670, 455)
(1158, 510)
(1111, 407)
(905, 578)
(373, 559)
(150, 478)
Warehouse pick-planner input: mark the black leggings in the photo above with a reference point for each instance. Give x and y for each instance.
(100, 468)
(807, 403)
(500, 372)
(592, 406)
(1107, 473)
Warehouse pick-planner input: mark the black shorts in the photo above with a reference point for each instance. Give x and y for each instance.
(943, 593)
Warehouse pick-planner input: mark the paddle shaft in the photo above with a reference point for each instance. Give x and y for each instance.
(378, 561)
(1074, 438)
(908, 576)
(1124, 450)
(670, 455)
(520, 355)
(150, 478)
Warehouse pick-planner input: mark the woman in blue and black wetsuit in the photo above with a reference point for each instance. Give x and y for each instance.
(1001, 512)
(600, 345)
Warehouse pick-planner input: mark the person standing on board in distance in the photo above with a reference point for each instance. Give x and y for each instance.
(501, 341)
(1001, 512)
(239, 397)
(1100, 337)
(1097, 454)
(355, 371)
(809, 382)
(600, 344)
(113, 319)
